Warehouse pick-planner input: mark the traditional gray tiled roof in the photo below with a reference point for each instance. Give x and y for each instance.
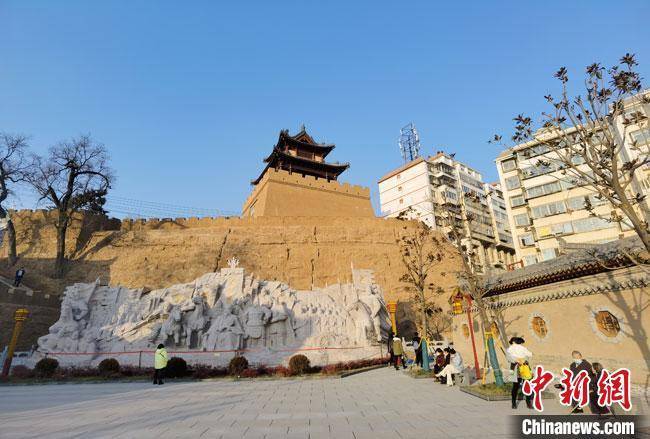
(577, 263)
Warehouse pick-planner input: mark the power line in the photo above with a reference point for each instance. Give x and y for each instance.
(125, 207)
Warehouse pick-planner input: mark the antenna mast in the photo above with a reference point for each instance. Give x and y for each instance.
(409, 142)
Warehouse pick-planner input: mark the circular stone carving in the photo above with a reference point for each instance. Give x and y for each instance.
(607, 324)
(539, 326)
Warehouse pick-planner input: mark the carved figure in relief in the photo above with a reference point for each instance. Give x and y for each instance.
(173, 326)
(196, 319)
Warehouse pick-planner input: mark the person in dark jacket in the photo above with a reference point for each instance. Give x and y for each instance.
(20, 273)
(596, 409)
(417, 346)
(447, 360)
(439, 361)
(578, 365)
(390, 349)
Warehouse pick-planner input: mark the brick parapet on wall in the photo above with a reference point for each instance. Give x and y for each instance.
(282, 176)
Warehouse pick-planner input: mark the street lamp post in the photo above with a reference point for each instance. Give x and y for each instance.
(20, 316)
(458, 309)
(470, 323)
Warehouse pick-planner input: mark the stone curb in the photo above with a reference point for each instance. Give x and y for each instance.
(365, 369)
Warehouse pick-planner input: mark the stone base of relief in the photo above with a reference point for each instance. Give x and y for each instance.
(207, 321)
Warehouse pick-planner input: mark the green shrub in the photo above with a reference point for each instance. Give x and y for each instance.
(176, 368)
(298, 364)
(108, 367)
(46, 367)
(237, 365)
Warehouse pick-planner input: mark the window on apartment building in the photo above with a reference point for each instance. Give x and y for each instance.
(532, 152)
(399, 188)
(646, 183)
(522, 219)
(513, 182)
(544, 189)
(549, 209)
(401, 201)
(508, 165)
(577, 159)
(578, 203)
(529, 260)
(450, 195)
(554, 229)
(539, 169)
(590, 224)
(517, 200)
(526, 240)
(641, 137)
(399, 176)
(549, 253)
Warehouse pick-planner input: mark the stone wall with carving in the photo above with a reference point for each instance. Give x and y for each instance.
(220, 313)
(300, 251)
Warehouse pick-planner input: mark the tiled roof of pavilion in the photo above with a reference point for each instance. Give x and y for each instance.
(581, 262)
(280, 158)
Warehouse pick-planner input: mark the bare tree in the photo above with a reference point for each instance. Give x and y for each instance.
(12, 170)
(420, 251)
(74, 176)
(456, 222)
(599, 139)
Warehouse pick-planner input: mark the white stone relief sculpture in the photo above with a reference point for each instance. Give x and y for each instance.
(222, 313)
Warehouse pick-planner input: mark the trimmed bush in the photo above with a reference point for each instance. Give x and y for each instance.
(237, 365)
(249, 373)
(279, 371)
(21, 372)
(299, 364)
(176, 368)
(109, 367)
(46, 367)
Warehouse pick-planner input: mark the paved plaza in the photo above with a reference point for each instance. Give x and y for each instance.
(381, 403)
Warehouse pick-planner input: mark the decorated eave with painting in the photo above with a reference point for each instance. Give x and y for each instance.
(576, 263)
(301, 154)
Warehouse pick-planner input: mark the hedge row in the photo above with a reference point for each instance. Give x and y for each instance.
(177, 368)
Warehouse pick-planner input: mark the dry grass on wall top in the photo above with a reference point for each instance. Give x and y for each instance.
(302, 252)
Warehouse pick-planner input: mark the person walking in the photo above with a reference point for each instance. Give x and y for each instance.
(518, 356)
(20, 273)
(159, 364)
(596, 408)
(578, 365)
(390, 349)
(417, 346)
(398, 352)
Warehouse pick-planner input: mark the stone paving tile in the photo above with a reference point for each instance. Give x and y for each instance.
(377, 404)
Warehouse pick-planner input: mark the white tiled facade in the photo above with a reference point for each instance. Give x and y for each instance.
(544, 206)
(422, 182)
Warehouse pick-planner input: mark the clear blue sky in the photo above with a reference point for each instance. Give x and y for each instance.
(189, 97)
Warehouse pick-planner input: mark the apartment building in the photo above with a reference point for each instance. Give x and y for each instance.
(546, 205)
(422, 183)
